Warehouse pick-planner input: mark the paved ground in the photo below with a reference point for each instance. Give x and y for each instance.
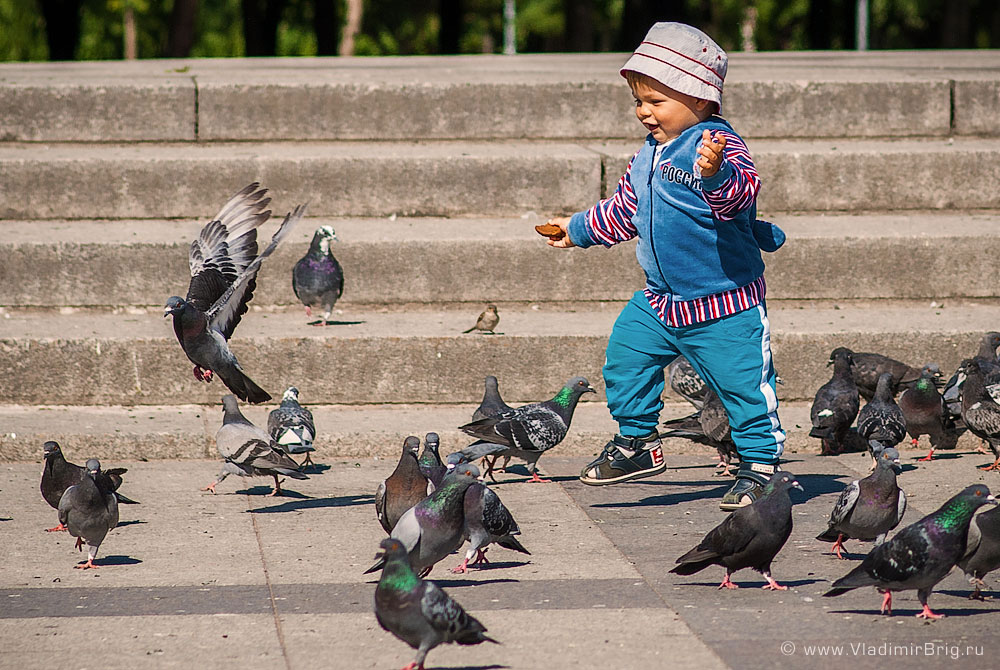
(243, 580)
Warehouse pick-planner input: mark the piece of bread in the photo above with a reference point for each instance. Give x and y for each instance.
(550, 230)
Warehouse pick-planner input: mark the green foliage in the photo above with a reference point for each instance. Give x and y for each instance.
(22, 31)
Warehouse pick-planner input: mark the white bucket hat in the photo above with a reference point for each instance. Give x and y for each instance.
(683, 58)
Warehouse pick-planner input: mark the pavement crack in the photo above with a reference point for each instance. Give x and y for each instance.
(270, 590)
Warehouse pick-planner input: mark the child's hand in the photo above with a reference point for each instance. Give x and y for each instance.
(710, 153)
(563, 242)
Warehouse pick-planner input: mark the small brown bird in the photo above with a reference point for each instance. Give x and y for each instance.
(488, 320)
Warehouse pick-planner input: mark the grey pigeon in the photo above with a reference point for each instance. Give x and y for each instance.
(868, 367)
(492, 405)
(835, 405)
(530, 430)
(925, 413)
(58, 474)
(487, 521)
(89, 510)
(487, 321)
(750, 537)
(982, 549)
(434, 527)
(708, 426)
(920, 555)
(318, 279)
(989, 366)
(880, 422)
(980, 413)
(685, 382)
(404, 488)
(417, 612)
(249, 451)
(868, 508)
(431, 465)
(224, 265)
(291, 426)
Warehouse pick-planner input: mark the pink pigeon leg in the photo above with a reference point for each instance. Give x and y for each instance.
(727, 583)
(461, 569)
(535, 479)
(56, 529)
(887, 604)
(480, 557)
(773, 585)
(210, 487)
(838, 545)
(928, 614)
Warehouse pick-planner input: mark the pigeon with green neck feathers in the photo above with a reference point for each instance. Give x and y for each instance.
(404, 488)
(417, 612)
(926, 414)
(431, 465)
(318, 279)
(528, 431)
(920, 555)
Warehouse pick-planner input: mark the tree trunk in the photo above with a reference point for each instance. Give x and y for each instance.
(326, 23)
(182, 22)
(451, 12)
(128, 34)
(579, 25)
(260, 26)
(352, 26)
(956, 33)
(62, 27)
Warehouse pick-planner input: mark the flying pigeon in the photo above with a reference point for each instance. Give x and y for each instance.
(58, 474)
(249, 451)
(435, 527)
(224, 265)
(868, 508)
(836, 404)
(417, 612)
(431, 465)
(880, 422)
(89, 510)
(291, 426)
(709, 426)
(318, 279)
(404, 488)
(487, 321)
(685, 382)
(869, 367)
(492, 405)
(920, 555)
(925, 413)
(980, 413)
(982, 550)
(750, 537)
(487, 521)
(530, 430)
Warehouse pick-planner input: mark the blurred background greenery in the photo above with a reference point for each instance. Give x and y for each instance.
(114, 29)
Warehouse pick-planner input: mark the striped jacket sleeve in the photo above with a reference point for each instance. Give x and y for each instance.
(610, 221)
(735, 186)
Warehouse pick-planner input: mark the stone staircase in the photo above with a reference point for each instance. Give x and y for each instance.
(881, 167)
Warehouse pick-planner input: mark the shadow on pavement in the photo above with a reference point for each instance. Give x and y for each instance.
(317, 503)
(133, 522)
(743, 584)
(117, 560)
(455, 583)
(672, 498)
(266, 491)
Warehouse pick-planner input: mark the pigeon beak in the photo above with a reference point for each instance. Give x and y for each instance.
(590, 389)
(166, 312)
(779, 380)
(992, 500)
(795, 484)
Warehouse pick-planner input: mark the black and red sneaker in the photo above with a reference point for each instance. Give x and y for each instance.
(625, 458)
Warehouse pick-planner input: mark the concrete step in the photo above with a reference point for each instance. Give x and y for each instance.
(928, 255)
(417, 355)
(507, 178)
(484, 97)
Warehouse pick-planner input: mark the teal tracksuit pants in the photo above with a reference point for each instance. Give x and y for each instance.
(732, 355)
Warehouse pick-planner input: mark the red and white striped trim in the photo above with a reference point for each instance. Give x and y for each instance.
(678, 313)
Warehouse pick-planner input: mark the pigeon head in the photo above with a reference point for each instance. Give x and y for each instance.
(433, 441)
(491, 307)
(291, 393)
(230, 404)
(93, 466)
(888, 458)
(841, 354)
(884, 387)
(175, 305)
(390, 547)
(322, 238)
(411, 445)
(462, 470)
(991, 341)
(955, 514)
(491, 383)
(50, 448)
(780, 481)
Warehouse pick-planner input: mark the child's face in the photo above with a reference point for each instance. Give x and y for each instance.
(666, 113)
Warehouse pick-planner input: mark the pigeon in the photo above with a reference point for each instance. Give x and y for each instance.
(224, 265)
(487, 521)
(880, 422)
(920, 555)
(750, 537)
(869, 367)
(318, 279)
(487, 321)
(435, 526)
(404, 488)
(249, 451)
(925, 413)
(431, 465)
(980, 413)
(419, 613)
(868, 508)
(89, 510)
(685, 382)
(835, 405)
(291, 426)
(530, 430)
(492, 405)
(989, 365)
(982, 549)
(58, 474)
(709, 426)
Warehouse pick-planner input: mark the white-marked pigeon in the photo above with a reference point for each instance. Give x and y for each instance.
(58, 474)
(528, 431)
(926, 414)
(685, 382)
(492, 405)
(224, 265)
(291, 426)
(249, 451)
(982, 550)
(836, 404)
(980, 413)
(750, 537)
(318, 279)
(709, 426)
(487, 321)
(434, 527)
(989, 366)
(920, 555)
(868, 367)
(404, 488)
(880, 422)
(487, 521)
(868, 508)
(89, 511)
(417, 612)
